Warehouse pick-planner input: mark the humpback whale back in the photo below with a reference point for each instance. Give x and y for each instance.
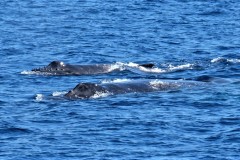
(88, 90)
(60, 68)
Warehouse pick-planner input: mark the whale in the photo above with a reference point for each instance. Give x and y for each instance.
(89, 90)
(60, 68)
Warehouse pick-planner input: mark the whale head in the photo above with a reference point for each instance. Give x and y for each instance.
(53, 66)
(84, 90)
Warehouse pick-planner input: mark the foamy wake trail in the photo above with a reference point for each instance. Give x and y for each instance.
(222, 59)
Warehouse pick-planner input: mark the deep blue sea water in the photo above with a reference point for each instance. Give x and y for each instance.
(192, 38)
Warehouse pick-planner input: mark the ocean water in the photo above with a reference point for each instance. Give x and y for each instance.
(186, 39)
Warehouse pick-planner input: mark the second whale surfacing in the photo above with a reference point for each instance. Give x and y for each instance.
(90, 90)
(60, 68)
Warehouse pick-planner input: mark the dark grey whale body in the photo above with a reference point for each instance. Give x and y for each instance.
(88, 90)
(60, 68)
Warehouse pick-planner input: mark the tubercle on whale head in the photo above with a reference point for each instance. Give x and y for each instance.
(53, 66)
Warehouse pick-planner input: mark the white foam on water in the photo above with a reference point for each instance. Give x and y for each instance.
(131, 64)
(36, 73)
(180, 67)
(116, 66)
(234, 60)
(116, 81)
(164, 84)
(100, 95)
(152, 70)
(144, 69)
(122, 66)
(39, 97)
(156, 69)
(217, 59)
(28, 72)
(156, 82)
(57, 93)
(222, 59)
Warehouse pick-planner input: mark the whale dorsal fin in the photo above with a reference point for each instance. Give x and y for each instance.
(147, 65)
